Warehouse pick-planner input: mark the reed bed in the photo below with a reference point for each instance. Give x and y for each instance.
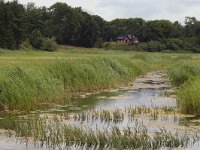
(33, 80)
(131, 113)
(53, 134)
(28, 88)
(187, 77)
(182, 72)
(189, 97)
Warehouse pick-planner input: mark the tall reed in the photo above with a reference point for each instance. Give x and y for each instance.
(187, 77)
(54, 134)
(30, 87)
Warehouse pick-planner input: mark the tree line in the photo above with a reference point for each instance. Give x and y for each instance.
(43, 27)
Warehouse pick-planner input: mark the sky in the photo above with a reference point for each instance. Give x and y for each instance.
(147, 9)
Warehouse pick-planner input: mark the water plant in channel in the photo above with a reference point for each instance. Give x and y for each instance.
(118, 115)
(53, 133)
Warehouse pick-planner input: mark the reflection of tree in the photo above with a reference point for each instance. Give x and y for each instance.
(91, 101)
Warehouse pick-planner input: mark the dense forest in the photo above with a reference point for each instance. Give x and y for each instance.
(42, 27)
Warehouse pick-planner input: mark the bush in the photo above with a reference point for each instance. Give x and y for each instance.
(49, 44)
(99, 43)
(174, 44)
(196, 50)
(36, 39)
(26, 45)
(190, 43)
(121, 46)
(153, 46)
(106, 45)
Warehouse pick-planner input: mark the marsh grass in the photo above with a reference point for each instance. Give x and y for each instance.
(182, 72)
(131, 113)
(35, 80)
(28, 88)
(54, 134)
(189, 97)
(30, 80)
(187, 77)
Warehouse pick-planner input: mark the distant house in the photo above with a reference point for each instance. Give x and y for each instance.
(129, 39)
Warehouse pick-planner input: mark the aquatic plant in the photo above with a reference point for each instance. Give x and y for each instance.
(118, 115)
(55, 134)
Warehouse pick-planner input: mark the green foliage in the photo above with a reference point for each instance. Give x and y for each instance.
(121, 46)
(73, 26)
(189, 96)
(196, 50)
(180, 73)
(159, 29)
(99, 43)
(89, 31)
(55, 134)
(49, 44)
(26, 45)
(174, 44)
(38, 41)
(134, 26)
(12, 16)
(25, 87)
(187, 77)
(154, 46)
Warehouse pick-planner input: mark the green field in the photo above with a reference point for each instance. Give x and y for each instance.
(31, 79)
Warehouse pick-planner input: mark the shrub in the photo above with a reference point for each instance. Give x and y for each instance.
(26, 45)
(174, 44)
(106, 45)
(154, 46)
(49, 44)
(190, 43)
(122, 46)
(196, 50)
(36, 39)
(99, 43)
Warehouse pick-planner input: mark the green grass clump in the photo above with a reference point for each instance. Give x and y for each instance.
(29, 86)
(23, 88)
(52, 133)
(32, 79)
(182, 72)
(96, 73)
(186, 75)
(189, 96)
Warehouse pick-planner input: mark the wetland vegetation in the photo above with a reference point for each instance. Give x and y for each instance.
(94, 99)
(54, 96)
(27, 81)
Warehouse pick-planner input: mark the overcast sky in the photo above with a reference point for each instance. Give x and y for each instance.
(147, 9)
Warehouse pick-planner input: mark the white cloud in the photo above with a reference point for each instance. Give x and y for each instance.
(147, 9)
